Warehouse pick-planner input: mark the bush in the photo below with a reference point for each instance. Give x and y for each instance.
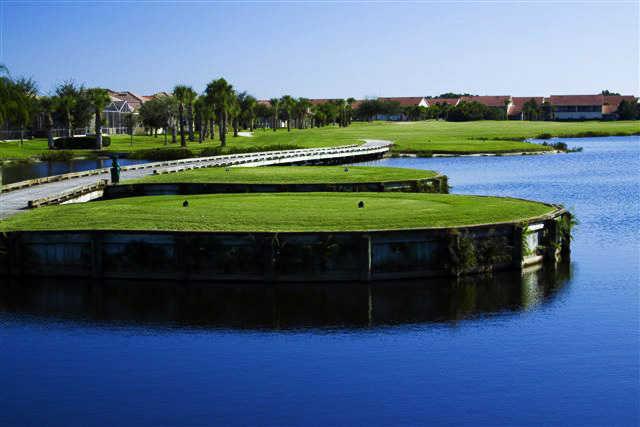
(79, 142)
(544, 136)
(56, 156)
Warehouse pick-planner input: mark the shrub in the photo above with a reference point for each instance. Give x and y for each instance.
(544, 136)
(79, 142)
(56, 156)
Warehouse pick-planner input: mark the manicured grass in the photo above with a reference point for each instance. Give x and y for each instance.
(425, 137)
(289, 175)
(278, 212)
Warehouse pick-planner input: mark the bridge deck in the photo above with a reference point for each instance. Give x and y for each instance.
(14, 201)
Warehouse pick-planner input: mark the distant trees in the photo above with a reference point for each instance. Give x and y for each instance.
(185, 96)
(131, 122)
(531, 110)
(247, 110)
(370, 108)
(159, 113)
(609, 93)
(466, 111)
(275, 109)
(220, 95)
(628, 110)
(454, 95)
(287, 104)
(99, 99)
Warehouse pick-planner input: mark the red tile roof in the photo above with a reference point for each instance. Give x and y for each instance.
(611, 102)
(566, 100)
(405, 101)
(519, 101)
(489, 101)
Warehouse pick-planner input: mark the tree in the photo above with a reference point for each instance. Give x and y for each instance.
(234, 113)
(185, 96)
(201, 116)
(158, 113)
(287, 103)
(275, 107)
(531, 110)
(247, 109)
(67, 96)
(219, 95)
(263, 114)
(99, 100)
(627, 110)
(47, 106)
(131, 122)
(301, 111)
(24, 103)
(453, 95)
(191, 98)
(350, 102)
(609, 93)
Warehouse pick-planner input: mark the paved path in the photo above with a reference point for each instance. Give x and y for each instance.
(14, 201)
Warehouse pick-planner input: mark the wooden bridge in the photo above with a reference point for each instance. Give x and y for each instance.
(87, 185)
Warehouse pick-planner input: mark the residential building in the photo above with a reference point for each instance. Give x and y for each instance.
(576, 107)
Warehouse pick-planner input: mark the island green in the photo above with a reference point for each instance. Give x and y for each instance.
(288, 175)
(281, 212)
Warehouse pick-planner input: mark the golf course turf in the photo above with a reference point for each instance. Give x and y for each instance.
(281, 212)
(288, 175)
(423, 138)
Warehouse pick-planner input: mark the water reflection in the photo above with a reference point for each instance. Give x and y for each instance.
(20, 171)
(283, 306)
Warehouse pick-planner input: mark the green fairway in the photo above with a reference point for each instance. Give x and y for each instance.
(278, 212)
(426, 137)
(289, 175)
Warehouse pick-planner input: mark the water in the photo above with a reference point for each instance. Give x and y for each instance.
(20, 171)
(557, 347)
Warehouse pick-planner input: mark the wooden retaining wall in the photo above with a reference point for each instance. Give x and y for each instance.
(437, 184)
(286, 257)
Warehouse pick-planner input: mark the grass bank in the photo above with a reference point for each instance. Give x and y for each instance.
(289, 175)
(278, 212)
(422, 138)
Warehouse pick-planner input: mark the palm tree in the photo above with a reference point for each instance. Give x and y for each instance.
(288, 104)
(47, 106)
(99, 100)
(247, 106)
(350, 102)
(183, 95)
(275, 106)
(191, 98)
(67, 95)
(234, 113)
(22, 103)
(200, 116)
(219, 95)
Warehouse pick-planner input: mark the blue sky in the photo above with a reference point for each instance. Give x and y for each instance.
(328, 49)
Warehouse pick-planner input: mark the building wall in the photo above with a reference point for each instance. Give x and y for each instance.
(577, 115)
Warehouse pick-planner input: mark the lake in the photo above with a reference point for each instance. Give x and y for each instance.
(556, 346)
(20, 171)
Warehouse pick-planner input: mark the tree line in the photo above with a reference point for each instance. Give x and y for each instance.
(187, 113)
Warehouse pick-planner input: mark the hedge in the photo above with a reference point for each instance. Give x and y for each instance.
(79, 142)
